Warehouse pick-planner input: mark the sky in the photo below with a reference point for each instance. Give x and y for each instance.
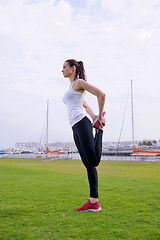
(116, 40)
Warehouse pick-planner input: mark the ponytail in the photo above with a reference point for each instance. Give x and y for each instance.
(80, 72)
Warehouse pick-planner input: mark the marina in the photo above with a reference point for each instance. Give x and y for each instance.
(127, 151)
(108, 156)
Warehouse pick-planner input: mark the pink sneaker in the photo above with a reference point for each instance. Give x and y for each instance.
(92, 207)
(95, 123)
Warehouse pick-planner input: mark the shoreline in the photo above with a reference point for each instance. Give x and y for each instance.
(75, 156)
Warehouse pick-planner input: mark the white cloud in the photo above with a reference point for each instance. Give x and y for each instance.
(114, 6)
(117, 40)
(64, 13)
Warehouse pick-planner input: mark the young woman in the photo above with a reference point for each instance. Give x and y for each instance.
(89, 147)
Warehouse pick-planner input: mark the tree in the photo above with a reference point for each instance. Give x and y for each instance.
(149, 143)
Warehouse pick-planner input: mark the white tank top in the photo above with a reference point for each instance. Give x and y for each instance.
(74, 103)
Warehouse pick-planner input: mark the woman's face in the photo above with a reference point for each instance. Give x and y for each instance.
(67, 70)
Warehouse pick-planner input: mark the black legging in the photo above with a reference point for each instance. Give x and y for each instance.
(90, 150)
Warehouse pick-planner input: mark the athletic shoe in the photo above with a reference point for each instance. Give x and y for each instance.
(95, 123)
(92, 207)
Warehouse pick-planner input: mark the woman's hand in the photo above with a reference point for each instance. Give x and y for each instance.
(102, 122)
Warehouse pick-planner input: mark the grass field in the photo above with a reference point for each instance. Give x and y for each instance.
(38, 200)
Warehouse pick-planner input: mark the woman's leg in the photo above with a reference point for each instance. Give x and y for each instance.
(98, 144)
(89, 150)
(93, 182)
(91, 171)
(91, 147)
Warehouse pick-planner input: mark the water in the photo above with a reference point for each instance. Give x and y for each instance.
(77, 157)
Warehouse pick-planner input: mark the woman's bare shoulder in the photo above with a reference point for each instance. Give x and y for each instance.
(82, 84)
(80, 81)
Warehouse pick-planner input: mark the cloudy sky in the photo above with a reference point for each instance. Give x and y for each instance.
(117, 41)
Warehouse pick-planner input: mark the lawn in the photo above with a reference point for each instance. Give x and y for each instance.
(38, 200)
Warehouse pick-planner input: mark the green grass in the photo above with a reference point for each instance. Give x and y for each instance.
(38, 200)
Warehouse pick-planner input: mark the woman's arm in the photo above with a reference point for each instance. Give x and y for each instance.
(83, 85)
(89, 110)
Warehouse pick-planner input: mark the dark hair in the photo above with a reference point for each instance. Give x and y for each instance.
(80, 72)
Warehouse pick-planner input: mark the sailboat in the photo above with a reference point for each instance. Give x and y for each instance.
(137, 151)
(48, 151)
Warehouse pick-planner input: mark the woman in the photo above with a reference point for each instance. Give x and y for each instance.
(89, 148)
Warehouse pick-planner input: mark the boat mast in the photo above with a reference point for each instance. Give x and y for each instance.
(47, 124)
(132, 112)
